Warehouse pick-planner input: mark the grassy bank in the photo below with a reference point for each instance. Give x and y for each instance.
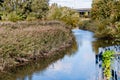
(22, 42)
(40, 65)
(87, 24)
(102, 29)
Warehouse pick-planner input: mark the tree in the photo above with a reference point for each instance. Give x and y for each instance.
(103, 9)
(65, 14)
(107, 15)
(23, 9)
(39, 8)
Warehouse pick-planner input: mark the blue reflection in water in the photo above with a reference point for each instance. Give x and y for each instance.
(80, 66)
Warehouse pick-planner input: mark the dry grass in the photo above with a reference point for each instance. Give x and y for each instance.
(25, 40)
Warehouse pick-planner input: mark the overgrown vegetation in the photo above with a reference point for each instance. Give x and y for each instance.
(26, 40)
(29, 35)
(106, 63)
(14, 10)
(106, 13)
(39, 65)
(64, 14)
(19, 10)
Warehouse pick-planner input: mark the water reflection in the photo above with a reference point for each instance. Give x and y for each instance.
(83, 61)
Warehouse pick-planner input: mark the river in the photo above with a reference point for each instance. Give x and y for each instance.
(79, 64)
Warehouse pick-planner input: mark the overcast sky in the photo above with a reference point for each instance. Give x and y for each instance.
(73, 3)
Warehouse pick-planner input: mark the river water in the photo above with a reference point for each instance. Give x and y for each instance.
(77, 64)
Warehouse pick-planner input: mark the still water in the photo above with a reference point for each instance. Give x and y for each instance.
(78, 63)
(80, 66)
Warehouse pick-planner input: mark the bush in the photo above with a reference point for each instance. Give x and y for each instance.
(106, 63)
(14, 10)
(13, 16)
(103, 29)
(31, 17)
(107, 15)
(67, 15)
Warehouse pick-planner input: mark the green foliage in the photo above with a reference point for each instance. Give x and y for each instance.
(103, 9)
(40, 8)
(12, 17)
(106, 58)
(31, 17)
(103, 29)
(106, 13)
(23, 9)
(108, 55)
(106, 9)
(67, 15)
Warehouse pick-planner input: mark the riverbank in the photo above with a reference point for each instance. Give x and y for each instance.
(102, 29)
(38, 65)
(23, 42)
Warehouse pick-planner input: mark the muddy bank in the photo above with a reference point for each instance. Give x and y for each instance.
(24, 42)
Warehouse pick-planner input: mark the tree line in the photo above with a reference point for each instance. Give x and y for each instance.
(106, 9)
(15, 10)
(23, 9)
(107, 15)
(64, 14)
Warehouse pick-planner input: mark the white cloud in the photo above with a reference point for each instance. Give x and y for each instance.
(61, 66)
(73, 3)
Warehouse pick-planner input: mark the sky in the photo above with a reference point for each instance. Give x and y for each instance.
(76, 4)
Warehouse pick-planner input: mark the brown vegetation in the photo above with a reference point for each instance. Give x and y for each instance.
(26, 41)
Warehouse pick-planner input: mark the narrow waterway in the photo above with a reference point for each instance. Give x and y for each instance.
(78, 65)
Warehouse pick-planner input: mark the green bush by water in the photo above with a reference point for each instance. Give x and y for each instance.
(106, 63)
(64, 14)
(106, 13)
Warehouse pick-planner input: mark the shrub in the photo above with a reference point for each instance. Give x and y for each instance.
(103, 29)
(106, 58)
(31, 17)
(14, 10)
(13, 16)
(67, 15)
(107, 15)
